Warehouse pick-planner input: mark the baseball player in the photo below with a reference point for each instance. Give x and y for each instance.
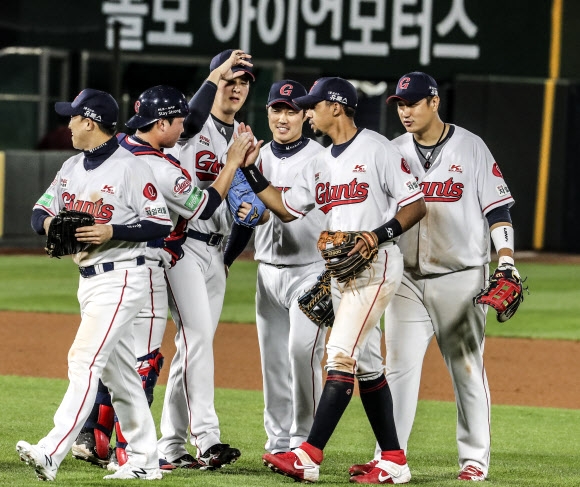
(446, 264)
(197, 284)
(113, 283)
(160, 112)
(291, 346)
(358, 183)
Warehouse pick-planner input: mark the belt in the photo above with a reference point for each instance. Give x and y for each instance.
(93, 270)
(211, 239)
(283, 266)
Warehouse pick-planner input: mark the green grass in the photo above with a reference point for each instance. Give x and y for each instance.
(551, 310)
(530, 446)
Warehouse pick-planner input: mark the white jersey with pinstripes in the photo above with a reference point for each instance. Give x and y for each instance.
(291, 243)
(125, 196)
(358, 190)
(465, 179)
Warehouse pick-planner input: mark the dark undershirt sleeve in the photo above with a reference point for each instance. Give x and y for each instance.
(237, 242)
(143, 231)
(499, 214)
(37, 221)
(199, 109)
(214, 200)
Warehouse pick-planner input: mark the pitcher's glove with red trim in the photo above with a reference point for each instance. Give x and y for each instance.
(60, 238)
(316, 303)
(335, 246)
(504, 292)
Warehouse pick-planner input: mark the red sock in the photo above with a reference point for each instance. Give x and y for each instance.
(395, 456)
(313, 452)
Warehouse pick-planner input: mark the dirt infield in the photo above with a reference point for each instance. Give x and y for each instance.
(520, 371)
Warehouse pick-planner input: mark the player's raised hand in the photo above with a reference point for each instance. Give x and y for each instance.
(237, 58)
(237, 151)
(254, 151)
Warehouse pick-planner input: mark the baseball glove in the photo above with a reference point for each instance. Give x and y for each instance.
(316, 303)
(241, 192)
(335, 246)
(504, 292)
(60, 238)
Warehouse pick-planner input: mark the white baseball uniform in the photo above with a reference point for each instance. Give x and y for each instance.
(183, 199)
(109, 300)
(291, 345)
(446, 259)
(358, 190)
(196, 292)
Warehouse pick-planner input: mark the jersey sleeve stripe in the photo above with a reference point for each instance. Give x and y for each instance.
(497, 203)
(294, 212)
(413, 197)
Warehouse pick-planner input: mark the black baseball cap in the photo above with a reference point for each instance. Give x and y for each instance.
(158, 102)
(223, 56)
(94, 104)
(285, 91)
(413, 87)
(329, 89)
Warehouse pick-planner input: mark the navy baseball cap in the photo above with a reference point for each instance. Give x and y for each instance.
(223, 56)
(413, 87)
(329, 89)
(284, 92)
(158, 102)
(94, 104)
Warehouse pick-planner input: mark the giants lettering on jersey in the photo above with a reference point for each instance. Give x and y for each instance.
(207, 166)
(447, 191)
(102, 213)
(328, 196)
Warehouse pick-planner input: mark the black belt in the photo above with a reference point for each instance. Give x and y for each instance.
(93, 270)
(212, 239)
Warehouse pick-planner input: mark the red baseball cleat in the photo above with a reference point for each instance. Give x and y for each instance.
(296, 464)
(384, 472)
(471, 472)
(362, 468)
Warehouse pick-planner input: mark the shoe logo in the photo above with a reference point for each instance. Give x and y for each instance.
(297, 466)
(139, 473)
(382, 477)
(47, 460)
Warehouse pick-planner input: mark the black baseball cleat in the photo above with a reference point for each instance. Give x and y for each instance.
(217, 456)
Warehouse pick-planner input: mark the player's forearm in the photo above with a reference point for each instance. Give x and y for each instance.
(502, 235)
(269, 195)
(224, 180)
(142, 231)
(40, 221)
(199, 109)
(410, 214)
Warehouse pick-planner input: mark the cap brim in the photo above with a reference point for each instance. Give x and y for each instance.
(307, 101)
(241, 71)
(137, 121)
(395, 98)
(291, 104)
(65, 108)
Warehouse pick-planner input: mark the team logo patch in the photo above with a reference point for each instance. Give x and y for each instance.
(108, 189)
(412, 185)
(360, 168)
(194, 199)
(502, 190)
(63, 183)
(455, 168)
(405, 166)
(182, 186)
(204, 140)
(150, 192)
(495, 170)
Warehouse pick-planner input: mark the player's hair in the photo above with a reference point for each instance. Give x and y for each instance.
(348, 111)
(106, 129)
(148, 127)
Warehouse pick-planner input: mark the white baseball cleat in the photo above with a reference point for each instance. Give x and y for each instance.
(129, 471)
(39, 459)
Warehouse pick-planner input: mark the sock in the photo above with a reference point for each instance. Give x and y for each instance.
(316, 454)
(378, 403)
(336, 395)
(395, 456)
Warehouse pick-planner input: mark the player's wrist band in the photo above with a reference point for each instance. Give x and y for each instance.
(255, 178)
(388, 231)
(503, 237)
